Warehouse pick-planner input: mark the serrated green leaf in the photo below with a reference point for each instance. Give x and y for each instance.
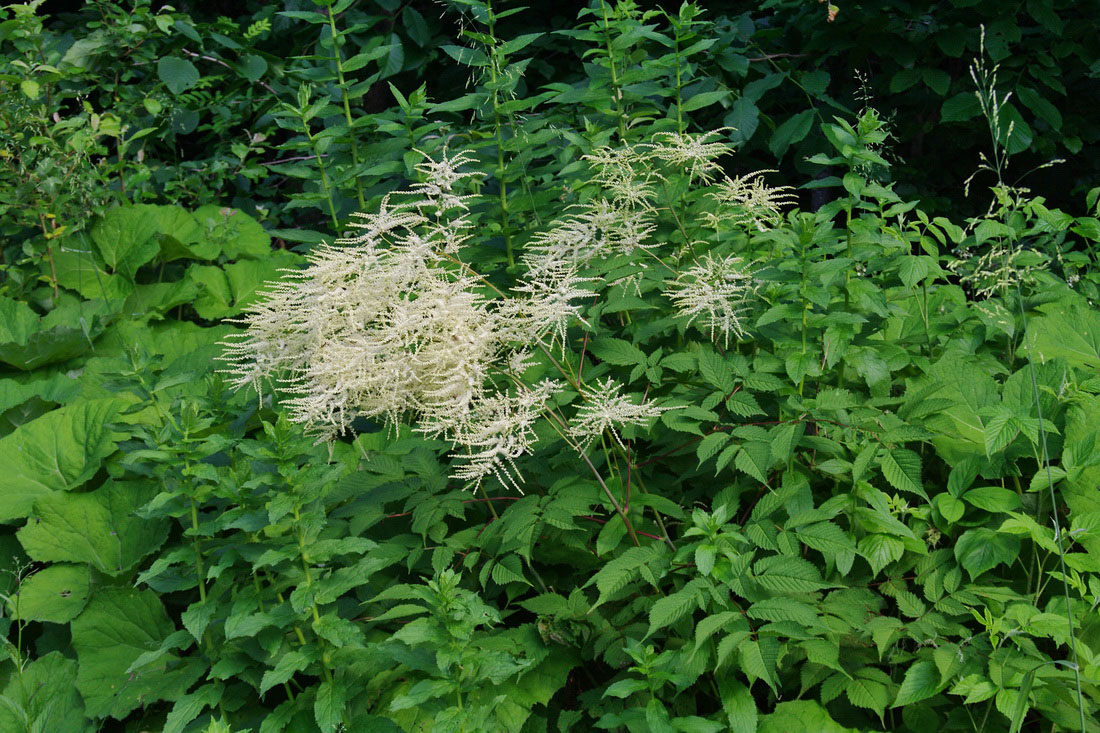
(671, 608)
(981, 549)
(785, 574)
(867, 689)
(921, 682)
(328, 707)
(901, 467)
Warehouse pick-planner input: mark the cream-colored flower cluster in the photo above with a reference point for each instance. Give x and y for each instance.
(392, 325)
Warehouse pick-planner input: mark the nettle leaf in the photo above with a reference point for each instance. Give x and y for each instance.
(118, 626)
(98, 527)
(57, 594)
(329, 706)
(981, 549)
(901, 467)
(56, 452)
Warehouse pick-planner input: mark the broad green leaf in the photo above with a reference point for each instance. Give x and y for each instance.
(285, 667)
(715, 371)
(758, 659)
(993, 499)
(126, 237)
(979, 550)
(921, 682)
(97, 527)
(45, 693)
(56, 452)
(57, 593)
(793, 130)
(118, 626)
(178, 74)
(801, 715)
(227, 291)
(28, 341)
(1071, 332)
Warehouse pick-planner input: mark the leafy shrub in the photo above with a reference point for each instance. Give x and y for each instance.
(611, 435)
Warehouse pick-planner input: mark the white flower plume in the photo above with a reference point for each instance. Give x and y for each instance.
(605, 409)
(718, 290)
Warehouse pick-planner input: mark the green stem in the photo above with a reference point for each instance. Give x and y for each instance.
(616, 93)
(336, 42)
(498, 129)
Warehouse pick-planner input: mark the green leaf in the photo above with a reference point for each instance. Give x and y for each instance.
(758, 659)
(118, 626)
(790, 132)
(97, 527)
(45, 693)
(177, 74)
(1071, 332)
(328, 708)
(801, 715)
(993, 499)
(466, 56)
(56, 452)
(617, 352)
(784, 574)
(671, 608)
(714, 369)
(880, 550)
(57, 594)
(188, 707)
(867, 689)
(289, 663)
(901, 467)
(703, 99)
(234, 232)
(625, 688)
(979, 550)
(28, 342)
(921, 682)
(960, 108)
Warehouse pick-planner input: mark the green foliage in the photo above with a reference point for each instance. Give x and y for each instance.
(825, 470)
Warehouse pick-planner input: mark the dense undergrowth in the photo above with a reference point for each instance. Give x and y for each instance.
(580, 424)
